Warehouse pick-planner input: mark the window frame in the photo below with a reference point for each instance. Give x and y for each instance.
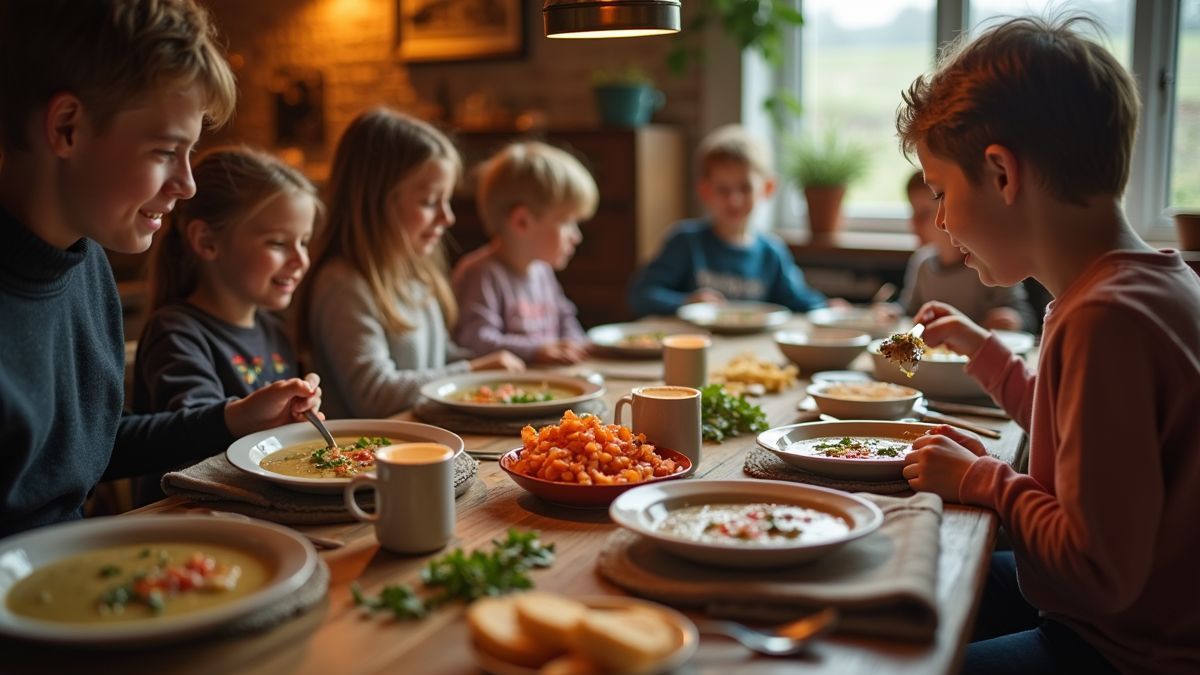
(1152, 62)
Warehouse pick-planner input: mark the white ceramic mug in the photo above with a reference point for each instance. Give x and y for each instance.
(669, 417)
(414, 497)
(685, 360)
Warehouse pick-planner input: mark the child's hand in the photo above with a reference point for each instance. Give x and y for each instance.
(501, 360)
(938, 463)
(1002, 318)
(704, 295)
(560, 351)
(946, 325)
(886, 313)
(964, 438)
(838, 303)
(274, 405)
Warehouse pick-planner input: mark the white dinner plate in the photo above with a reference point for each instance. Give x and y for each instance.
(248, 452)
(860, 318)
(684, 633)
(643, 510)
(292, 558)
(781, 442)
(735, 317)
(615, 337)
(449, 392)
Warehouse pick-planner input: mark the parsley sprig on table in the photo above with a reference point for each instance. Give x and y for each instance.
(724, 414)
(463, 576)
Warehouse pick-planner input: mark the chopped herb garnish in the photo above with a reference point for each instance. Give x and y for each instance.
(463, 576)
(110, 571)
(727, 415)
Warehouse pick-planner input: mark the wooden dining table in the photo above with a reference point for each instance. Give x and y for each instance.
(338, 637)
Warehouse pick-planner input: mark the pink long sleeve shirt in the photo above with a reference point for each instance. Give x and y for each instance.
(1106, 526)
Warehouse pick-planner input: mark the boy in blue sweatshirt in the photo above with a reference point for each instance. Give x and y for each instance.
(720, 257)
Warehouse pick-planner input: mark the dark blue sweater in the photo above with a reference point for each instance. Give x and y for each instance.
(694, 257)
(62, 363)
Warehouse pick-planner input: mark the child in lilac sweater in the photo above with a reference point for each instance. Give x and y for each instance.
(531, 197)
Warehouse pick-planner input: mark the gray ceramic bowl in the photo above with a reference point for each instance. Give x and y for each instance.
(819, 349)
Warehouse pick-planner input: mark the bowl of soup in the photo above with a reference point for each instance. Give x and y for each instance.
(528, 394)
(849, 450)
(745, 523)
(135, 580)
(296, 457)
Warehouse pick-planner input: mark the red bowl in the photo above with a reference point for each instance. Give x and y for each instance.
(586, 496)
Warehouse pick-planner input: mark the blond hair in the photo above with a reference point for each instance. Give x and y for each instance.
(1057, 100)
(112, 55)
(233, 184)
(378, 150)
(537, 176)
(732, 143)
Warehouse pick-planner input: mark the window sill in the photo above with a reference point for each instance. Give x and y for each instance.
(844, 244)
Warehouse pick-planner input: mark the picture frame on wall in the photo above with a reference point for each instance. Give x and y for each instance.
(459, 30)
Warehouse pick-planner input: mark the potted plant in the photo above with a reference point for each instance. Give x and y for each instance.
(626, 97)
(823, 169)
(1187, 227)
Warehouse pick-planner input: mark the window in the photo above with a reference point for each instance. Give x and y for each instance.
(851, 60)
(1185, 141)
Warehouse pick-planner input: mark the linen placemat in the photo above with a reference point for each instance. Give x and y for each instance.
(220, 485)
(884, 584)
(763, 464)
(312, 592)
(432, 412)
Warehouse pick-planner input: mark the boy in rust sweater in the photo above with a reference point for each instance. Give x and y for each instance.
(1024, 136)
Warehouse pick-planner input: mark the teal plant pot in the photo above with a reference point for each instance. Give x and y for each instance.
(627, 105)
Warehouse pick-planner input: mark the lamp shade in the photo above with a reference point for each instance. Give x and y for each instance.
(610, 18)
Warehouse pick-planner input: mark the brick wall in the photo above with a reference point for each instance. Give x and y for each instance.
(352, 43)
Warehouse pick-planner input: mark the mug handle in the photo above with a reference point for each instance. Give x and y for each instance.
(359, 481)
(626, 400)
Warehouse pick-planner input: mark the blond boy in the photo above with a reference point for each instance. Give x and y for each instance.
(100, 106)
(720, 257)
(531, 198)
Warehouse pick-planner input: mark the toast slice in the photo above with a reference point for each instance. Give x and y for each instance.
(551, 617)
(494, 626)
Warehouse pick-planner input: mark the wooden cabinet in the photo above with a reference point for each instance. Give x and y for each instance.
(641, 175)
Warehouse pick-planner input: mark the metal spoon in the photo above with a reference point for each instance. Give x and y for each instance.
(790, 638)
(316, 422)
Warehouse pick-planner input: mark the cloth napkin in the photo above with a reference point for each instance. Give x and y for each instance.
(884, 584)
(312, 592)
(762, 464)
(218, 484)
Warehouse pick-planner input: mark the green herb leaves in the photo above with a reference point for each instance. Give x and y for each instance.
(462, 576)
(724, 414)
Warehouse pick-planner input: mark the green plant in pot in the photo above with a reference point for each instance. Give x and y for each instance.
(824, 168)
(626, 97)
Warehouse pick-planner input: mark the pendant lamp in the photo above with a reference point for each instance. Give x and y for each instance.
(609, 18)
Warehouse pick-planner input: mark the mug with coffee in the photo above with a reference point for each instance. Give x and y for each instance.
(685, 360)
(414, 497)
(669, 416)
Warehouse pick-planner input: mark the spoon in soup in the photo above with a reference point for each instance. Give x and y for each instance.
(316, 422)
(790, 638)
